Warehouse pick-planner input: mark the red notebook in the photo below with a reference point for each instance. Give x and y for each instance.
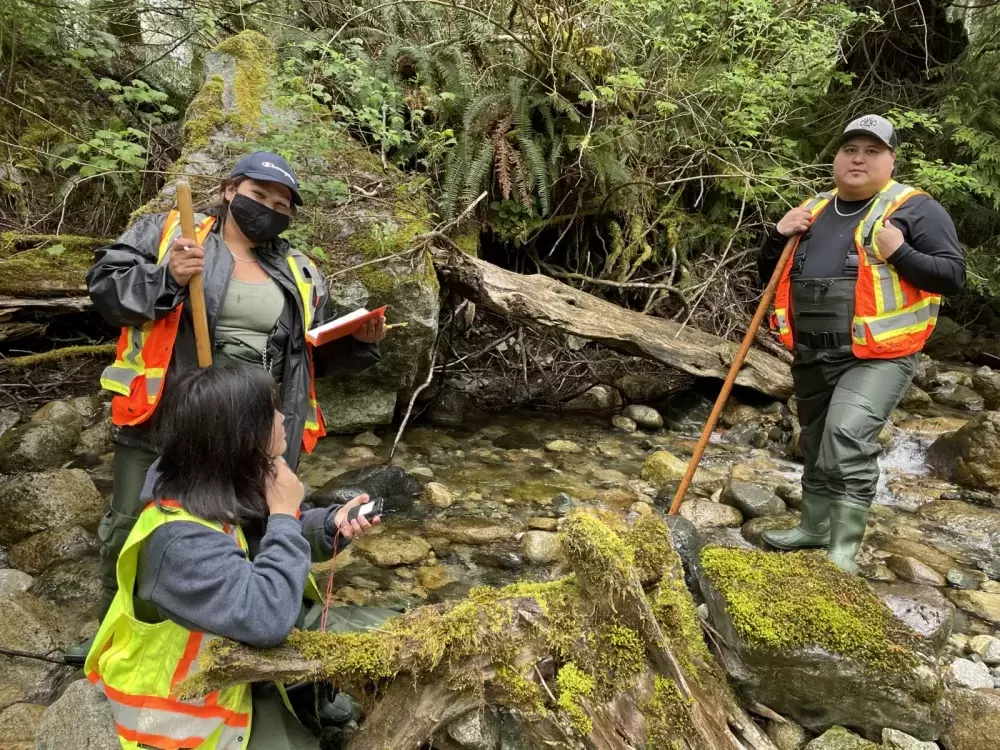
(345, 325)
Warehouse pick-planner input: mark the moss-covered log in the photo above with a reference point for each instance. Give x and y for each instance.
(609, 657)
(42, 265)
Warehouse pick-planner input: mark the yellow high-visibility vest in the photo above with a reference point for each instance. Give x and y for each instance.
(138, 664)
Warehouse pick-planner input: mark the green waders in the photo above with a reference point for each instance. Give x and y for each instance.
(273, 727)
(843, 403)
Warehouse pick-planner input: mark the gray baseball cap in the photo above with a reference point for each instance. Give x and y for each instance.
(873, 126)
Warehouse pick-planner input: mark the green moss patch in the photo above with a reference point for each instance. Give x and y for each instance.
(781, 602)
(668, 716)
(255, 58)
(597, 653)
(45, 264)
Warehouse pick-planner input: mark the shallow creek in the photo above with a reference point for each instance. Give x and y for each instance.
(506, 479)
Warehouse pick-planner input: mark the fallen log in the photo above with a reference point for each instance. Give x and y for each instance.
(549, 302)
(58, 355)
(42, 265)
(611, 658)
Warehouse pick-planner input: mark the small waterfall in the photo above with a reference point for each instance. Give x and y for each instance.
(907, 455)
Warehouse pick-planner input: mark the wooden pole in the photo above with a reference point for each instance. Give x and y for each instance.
(734, 370)
(196, 291)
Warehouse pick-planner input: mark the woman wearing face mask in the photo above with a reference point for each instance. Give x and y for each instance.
(261, 297)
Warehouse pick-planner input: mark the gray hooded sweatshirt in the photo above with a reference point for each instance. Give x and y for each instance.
(202, 580)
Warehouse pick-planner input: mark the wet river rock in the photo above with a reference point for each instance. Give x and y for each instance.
(752, 500)
(36, 553)
(976, 720)
(391, 548)
(970, 456)
(81, 718)
(391, 484)
(32, 503)
(922, 609)
(36, 446)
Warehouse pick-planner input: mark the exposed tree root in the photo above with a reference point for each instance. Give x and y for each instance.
(610, 657)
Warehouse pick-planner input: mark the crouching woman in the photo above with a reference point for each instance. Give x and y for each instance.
(222, 548)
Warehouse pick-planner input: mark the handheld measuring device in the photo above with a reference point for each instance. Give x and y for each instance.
(370, 509)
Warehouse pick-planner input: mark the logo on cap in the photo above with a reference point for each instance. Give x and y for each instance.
(272, 165)
(868, 123)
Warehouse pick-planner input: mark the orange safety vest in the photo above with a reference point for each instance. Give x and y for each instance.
(892, 317)
(136, 377)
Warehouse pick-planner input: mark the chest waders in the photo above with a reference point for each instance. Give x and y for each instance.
(843, 404)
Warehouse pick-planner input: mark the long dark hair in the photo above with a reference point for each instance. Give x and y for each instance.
(214, 432)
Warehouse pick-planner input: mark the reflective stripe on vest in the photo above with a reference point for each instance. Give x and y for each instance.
(782, 295)
(899, 317)
(303, 272)
(144, 352)
(139, 665)
(892, 317)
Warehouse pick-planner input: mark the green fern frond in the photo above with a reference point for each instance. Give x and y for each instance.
(480, 113)
(455, 164)
(478, 173)
(534, 160)
(453, 72)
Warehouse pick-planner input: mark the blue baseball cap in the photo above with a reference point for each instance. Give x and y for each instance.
(268, 167)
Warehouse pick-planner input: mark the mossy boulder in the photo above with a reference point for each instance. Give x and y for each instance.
(39, 265)
(387, 550)
(349, 406)
(362, 221)
(817, 645)
(838, 738)
(662, 468)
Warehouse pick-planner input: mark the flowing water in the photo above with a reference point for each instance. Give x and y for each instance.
(505, 475)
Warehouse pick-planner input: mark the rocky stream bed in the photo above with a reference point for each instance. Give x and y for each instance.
(483, 504)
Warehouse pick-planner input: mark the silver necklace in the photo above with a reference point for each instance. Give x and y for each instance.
(254, 260)
(855, 213)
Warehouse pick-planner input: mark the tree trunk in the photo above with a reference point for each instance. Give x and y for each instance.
(583, 662)
(544, 300)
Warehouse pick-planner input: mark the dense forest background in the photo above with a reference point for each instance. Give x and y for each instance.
(632, 148)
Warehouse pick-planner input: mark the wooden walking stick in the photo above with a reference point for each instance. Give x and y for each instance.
(196, 291)
(734, 370)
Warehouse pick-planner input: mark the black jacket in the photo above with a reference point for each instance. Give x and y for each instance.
(129, 288)
(930, 257)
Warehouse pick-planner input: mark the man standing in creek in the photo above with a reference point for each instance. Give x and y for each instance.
(855, 304)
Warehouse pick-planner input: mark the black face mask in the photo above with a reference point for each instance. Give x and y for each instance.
(257, 222)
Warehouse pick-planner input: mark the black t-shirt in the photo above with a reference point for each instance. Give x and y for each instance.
(930, 257)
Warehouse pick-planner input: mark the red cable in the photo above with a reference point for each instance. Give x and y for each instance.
(329, 583)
